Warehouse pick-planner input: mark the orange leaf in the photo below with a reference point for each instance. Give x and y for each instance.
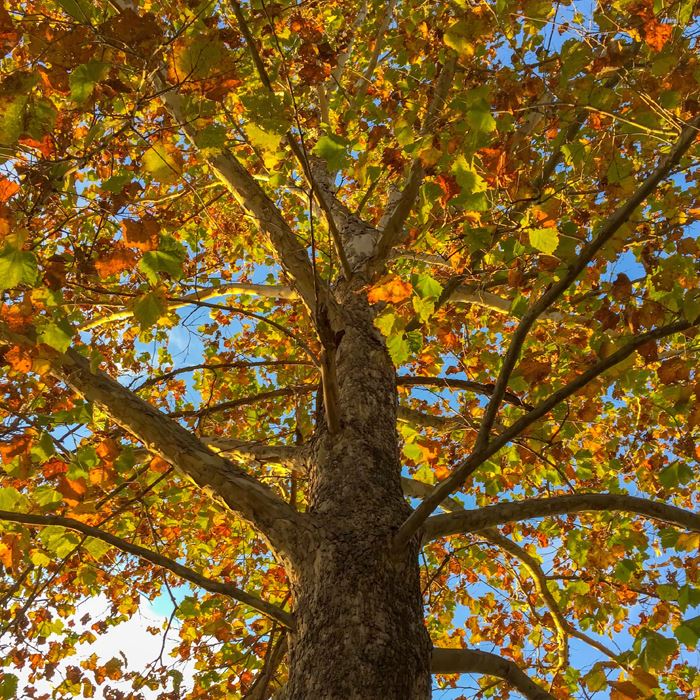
(657, 34)
(117, 260)
(20, 359)
(7, 189)
(107, 450)
(73, 490)
(392, 290)
(158, 464)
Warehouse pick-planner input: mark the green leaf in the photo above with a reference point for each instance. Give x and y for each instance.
(149, 308)
(11, 499)
(98, 548)
(544, 239)
(413, 452)
(398, 348)
(467, 178)
(77, 9)
(83, 79)
(481, 120)
(115, 184)
(17, 267)
(211, 138)
(267, 141)
(58, 540)
(667, 592)
(8, 686)
(426, 286)
(167, 259)
(656, 651)
(57, 335)
(675, 475)
(333, 149)
(457, 38)
(43, 448)
(46, 496)
(14, 95)
(624, 570)
(161, 164)
(688, 632)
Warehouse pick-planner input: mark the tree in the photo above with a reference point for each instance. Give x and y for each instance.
(367, 331)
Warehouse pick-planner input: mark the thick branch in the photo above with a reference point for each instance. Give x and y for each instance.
(449, 661)
(465, 521)
(293, 456)
(216, 476)
(271, 611)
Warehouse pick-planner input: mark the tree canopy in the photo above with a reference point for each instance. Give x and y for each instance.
(184, 184)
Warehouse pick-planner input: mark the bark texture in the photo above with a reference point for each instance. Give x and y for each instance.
(359, 619)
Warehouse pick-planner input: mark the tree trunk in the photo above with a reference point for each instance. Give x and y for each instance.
(359, 614)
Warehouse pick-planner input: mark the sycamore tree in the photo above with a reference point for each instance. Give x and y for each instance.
(365, 331)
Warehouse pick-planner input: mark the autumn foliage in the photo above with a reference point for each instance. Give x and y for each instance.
(519, 129)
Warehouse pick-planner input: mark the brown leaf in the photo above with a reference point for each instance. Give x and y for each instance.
(141, 234)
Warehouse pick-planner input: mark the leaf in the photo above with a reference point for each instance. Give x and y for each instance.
(333, 149)
(392, 290)
(656, 650)
(14, 96)
(96, 547)
(149, 308)
(8, 686)
(467, 177)
(80, 10)
(457, 38)
(675, 475)
(162, 163)
(142, 234)
(58, 540)
(57, 335)
(688, 632)
(168, 259)
(8, 188)
(84, 78)
(398, 348)
(426, 286)
(115, 261)
(656, 34)
(544, 239)
(17, 267)
(11, 499)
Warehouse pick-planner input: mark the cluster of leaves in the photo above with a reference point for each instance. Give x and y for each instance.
(117, 237)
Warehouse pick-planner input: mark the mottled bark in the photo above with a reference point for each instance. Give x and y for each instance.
(359, 620)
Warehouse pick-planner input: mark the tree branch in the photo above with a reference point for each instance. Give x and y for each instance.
(252, 601)
(607, 230)
(478, 456)
(466, 384)
(218, 477)
(398, 211)
(269, 291)
(450, 661)
(460, 522)
(246, 400)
